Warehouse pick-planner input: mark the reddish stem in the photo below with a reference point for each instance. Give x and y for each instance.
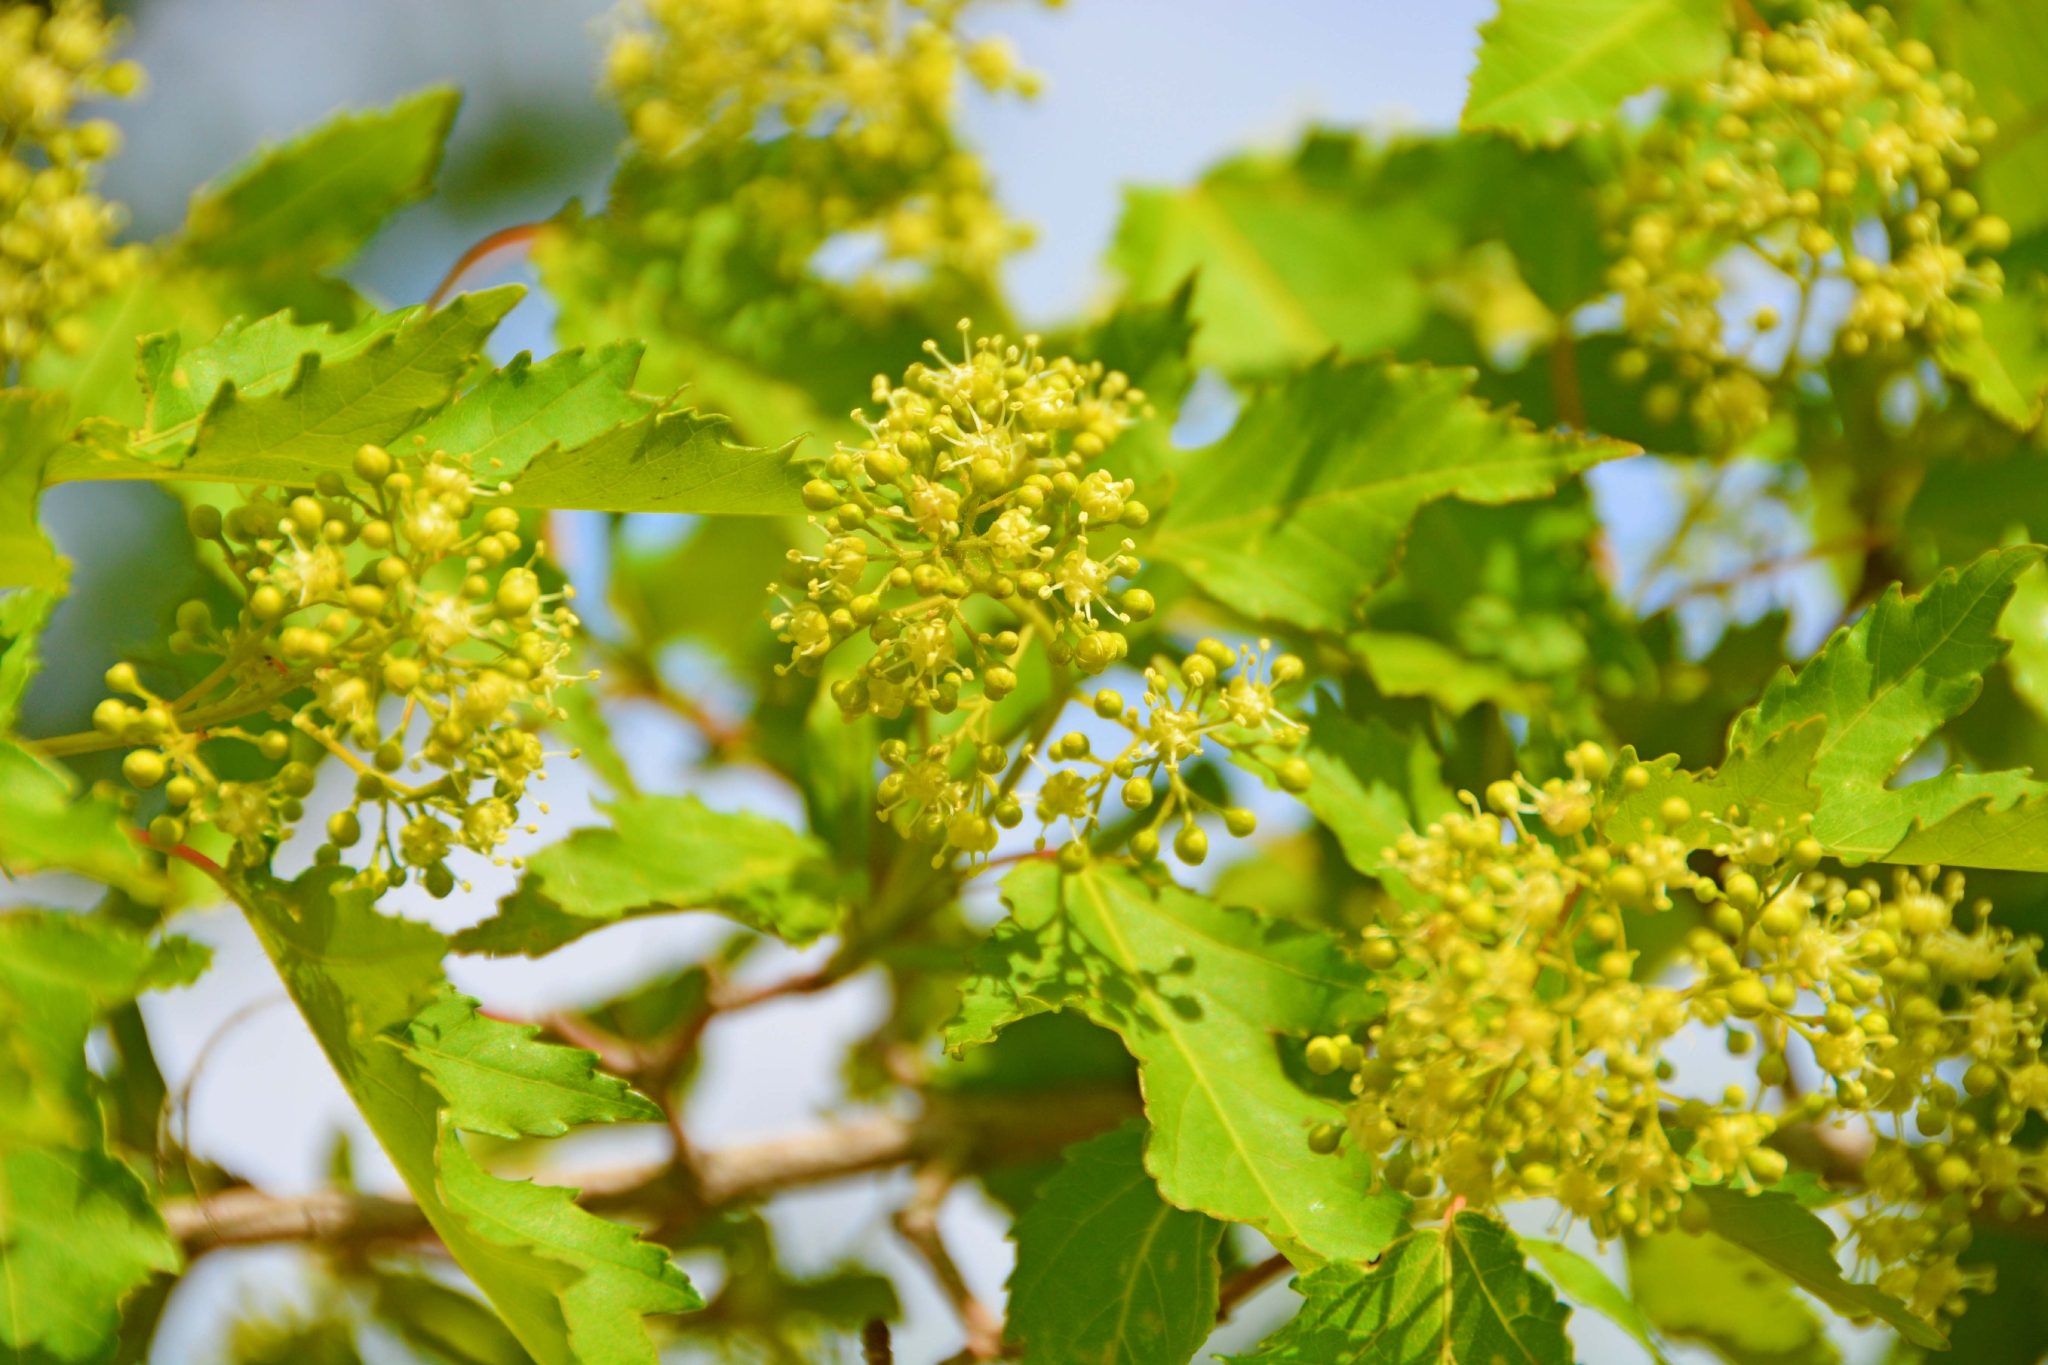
(521, 234)
(183, 853)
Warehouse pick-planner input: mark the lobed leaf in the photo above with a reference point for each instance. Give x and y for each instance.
(1550, 68)
(571, 1286)
(1781, 1232)
(1884, 686)
(45, 825)
(1107, 1271)
(1771, 784)
(78, 1231)
(526, 409)
(498, 1080)
(1300, 511)
(310, 204)
(667, 462)
(660, 855)
(1201, 994)
(280, 402)
(1454, 1294)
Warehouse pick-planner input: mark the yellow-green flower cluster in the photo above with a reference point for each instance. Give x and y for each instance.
(1519, 1055)
(1217, 695)
(384, 624)
(872, 80)
(55, 256)
(1807, 134)
(966, 532)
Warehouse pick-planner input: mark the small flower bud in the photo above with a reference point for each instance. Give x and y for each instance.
(143, 768)
(372, 464)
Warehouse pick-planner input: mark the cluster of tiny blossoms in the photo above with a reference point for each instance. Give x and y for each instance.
(872, 80)
(966, 531)
(969, 532)
(1807, 134)
(54, 252)
(1518, 1056)
(1186, 706)
(384, 624)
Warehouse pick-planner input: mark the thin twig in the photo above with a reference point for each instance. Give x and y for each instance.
(918, 1222)
(1565, 396)
(1248, 1282)
(520, 235)
(726, 997)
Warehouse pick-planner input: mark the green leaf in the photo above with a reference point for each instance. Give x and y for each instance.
(498, 1080)
(276, 402)
(100, 378)
(614, 1278)
(647, 588)
(2005, 1325)
(1884, 686)
(23, 615)
(525, 409)
(1371, 784)
(2025, 623)
(570, 1286)
(1455, 1294)
(1299, 512)
(1586, 1283)
(1548, 68)
(1107, 1271)
(78, 1232)
(1349, 243)
(444, 1322)
(1707, 1290)
(310, 204)
(2001, 50)
(590, 735)
(2005, 364)
(320, 417)
(1772, 783)
(1775, 1228)
(1404, 665)
(43, 827)
(1284, 271)
(1201, 995)
(667, 462)
(31, 432)
(664, 854)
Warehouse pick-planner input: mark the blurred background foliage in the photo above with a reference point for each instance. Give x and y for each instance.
(1649, 602)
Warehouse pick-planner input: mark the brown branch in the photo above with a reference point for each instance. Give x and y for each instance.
(248, 1217)
(983, 1132)
(1248, 1282)
(1565, 396)
(918, 1222)
(726, 997)
(520, 235)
